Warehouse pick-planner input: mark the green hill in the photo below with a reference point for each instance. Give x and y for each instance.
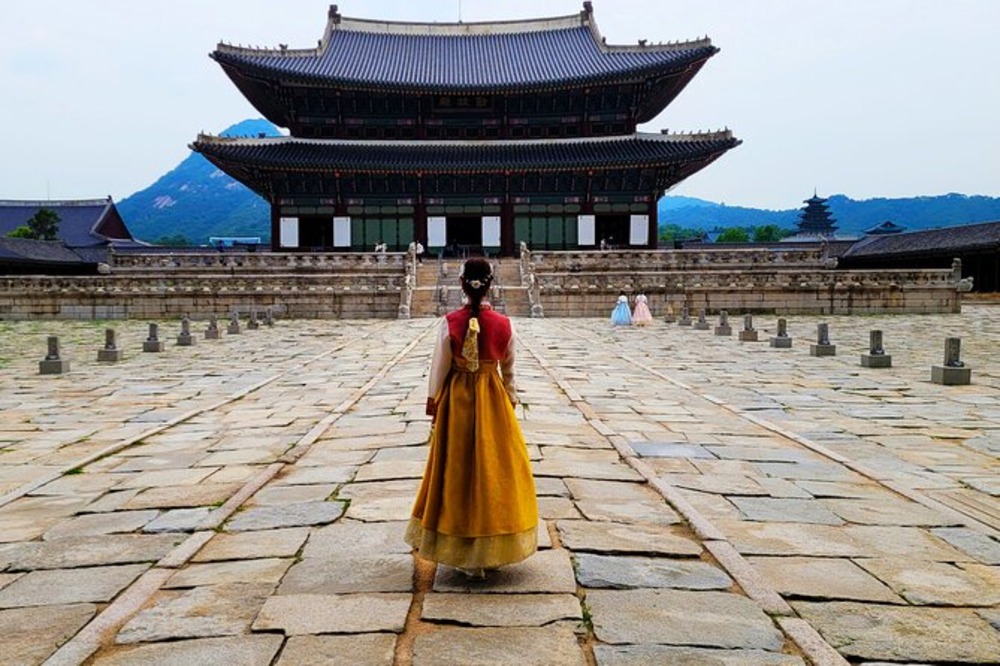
(196, 200)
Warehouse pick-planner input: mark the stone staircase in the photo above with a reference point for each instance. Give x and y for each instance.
(510, 297)
(438, 291)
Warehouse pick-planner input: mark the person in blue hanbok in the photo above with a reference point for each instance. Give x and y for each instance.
(622, 314)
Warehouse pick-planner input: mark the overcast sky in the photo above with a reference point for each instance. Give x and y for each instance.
(869, 98)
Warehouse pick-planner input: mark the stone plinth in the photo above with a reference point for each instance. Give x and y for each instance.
(947, 375)
(153, 345)
(749, 336)
(53, 363)
(109, 355)
(781, 342)
(876, 360)
(822, 350)
(185, 339)
(57, 366)
(724, 330)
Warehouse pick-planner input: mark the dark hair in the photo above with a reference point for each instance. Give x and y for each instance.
(473, 270)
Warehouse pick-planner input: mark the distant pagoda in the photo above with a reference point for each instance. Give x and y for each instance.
(815, 219)
(477, 136)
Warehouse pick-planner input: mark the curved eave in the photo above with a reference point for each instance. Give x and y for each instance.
(297, 155)
(238, 67)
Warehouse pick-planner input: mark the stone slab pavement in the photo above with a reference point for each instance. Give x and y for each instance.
(704, 500)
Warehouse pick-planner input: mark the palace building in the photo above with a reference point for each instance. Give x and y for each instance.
(470, 137)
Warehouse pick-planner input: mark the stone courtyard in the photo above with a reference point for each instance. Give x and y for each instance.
(705, 501)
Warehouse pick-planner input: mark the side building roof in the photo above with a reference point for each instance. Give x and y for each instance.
(967, 237)
(495, 56)
(82, 223)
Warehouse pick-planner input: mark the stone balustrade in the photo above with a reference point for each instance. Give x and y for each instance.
(242, 261)
(674, 260)
(118, 296)
(784, 291)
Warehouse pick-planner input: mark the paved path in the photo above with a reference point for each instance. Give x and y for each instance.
(705, 500)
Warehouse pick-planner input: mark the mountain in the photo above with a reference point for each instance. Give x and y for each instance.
(196, 200)
(852, 217)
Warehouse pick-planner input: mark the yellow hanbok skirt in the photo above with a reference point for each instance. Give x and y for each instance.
(476, 508)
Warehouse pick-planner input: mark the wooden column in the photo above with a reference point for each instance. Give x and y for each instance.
(654, 223)
(507, 246)
(275, 226)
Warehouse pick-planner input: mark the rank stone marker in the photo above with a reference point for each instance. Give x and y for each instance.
(953, 371)
(269, 317)
(670, 317)
(110, 353)
(234, 323)
(749, 333)
(876, 356)
(185, 339)
(253, 324)
(685, 319)
(212, 332)
(153, 342)
(723, 328)
(822, 346)
(702, 323)
(781, 340)
(53, 364)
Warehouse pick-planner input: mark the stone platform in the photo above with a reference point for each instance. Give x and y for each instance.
(243, 500)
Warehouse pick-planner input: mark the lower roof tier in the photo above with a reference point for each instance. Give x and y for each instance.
(672, 156)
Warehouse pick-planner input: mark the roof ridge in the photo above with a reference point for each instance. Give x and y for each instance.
(582, 19)
(40, 203)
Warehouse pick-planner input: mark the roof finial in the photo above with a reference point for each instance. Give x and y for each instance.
(334, 14)
(588, 7)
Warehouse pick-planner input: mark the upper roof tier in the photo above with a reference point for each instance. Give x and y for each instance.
(452, 57)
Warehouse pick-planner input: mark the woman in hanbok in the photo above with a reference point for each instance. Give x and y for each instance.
(621, 315)
(641, 314)
(476, 509)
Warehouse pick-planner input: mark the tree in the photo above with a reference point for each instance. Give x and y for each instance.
(769, 233)
(733, 235)
(673, 232)
(173, 240)
(43, 225)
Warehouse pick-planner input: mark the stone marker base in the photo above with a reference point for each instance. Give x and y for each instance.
(749, 336)
(947, 375)
(214, 334)
(876, 361)
(186, 340)
(109, 355)
(701, 326)
(822, 350)
(723, 330)
(154, 346)
(233, 330)
(684, 322)
(781, 343)
(253, 326)
(670, 319)
(53, 367)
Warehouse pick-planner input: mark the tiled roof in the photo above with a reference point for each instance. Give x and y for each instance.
(463, 56)
(466, 156)
(78, 219)
(984, 235)
(34, 251)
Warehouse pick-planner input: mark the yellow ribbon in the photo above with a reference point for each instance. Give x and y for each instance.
(470, 348)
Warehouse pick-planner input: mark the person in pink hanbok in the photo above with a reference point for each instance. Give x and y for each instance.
(641, 314)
